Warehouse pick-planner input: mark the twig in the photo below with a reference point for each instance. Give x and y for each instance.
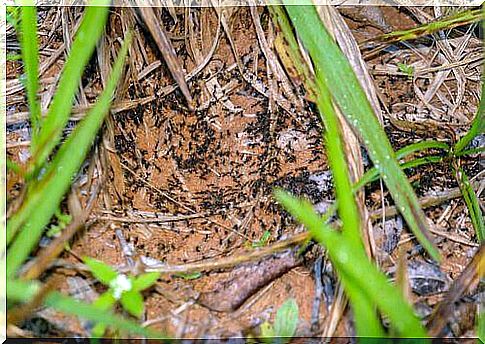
(425, 202)
(229, 262)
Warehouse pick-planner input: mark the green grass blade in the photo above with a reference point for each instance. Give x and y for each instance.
(13, 166)
(477, 128)
(294, 63)
(85, 40)
(22, 291)
(478, 125)
(421, 146)
(86, 311)
(46, 195)
(12, 16)
(30, 57)
(332, 66)
(459, 19)
(472, 204)
(367, 322)
(479, 150)
(356, 267)
(372, 175)
(347, 206)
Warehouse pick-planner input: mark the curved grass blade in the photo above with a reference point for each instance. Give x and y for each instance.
(478, 125)
(47, 194)
(347, 206)
(372, 175)
(420, 146)
(459, 19)
(22, 291)
(30, 57)
(479, 150)
(89, 32)
(367, 322)
(472, 204)
(356, 268)
(332, 66)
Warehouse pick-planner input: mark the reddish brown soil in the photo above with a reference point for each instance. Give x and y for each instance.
(218, 167)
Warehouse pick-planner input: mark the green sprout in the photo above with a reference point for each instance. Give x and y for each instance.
(125, 289)
(285, 324)
(406, 69)
(188, 275)
(62, 221)
(263, 241)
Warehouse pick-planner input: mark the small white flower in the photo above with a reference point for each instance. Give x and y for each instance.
(119, 285)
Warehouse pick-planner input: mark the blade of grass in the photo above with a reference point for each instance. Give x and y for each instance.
(86, 311)
(479, 150)
(478, 125)
(472, 204)
(12, 16)
(367, 323)
(30, 57)
(459, 19)
(353, 263)
(47, 194)
(332, 66)
(372, 175)
(14, 167)
(82, 48)
(22, 291)
(420, 146)
(347, 207)
(477, 128)
(289, 52)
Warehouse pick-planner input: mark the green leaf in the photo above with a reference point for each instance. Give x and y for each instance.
(132, 302)
(332, 68)
(188, 275)
(356, 268)
(101, 271)
(13, 15)
(478, 124)
(90, 30)
(105, 302)
(406, 69)
(267, 330)
(71, 306)
(98, 330)
(373, 174)
(145, 281)
(481, 325)
(263, 241)
(286, 320)
(420, 146)
(347, 206)
(472, 203)
(13, 166)
(36, 212)
(30, 57)
(366, 317)
(21, 291)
